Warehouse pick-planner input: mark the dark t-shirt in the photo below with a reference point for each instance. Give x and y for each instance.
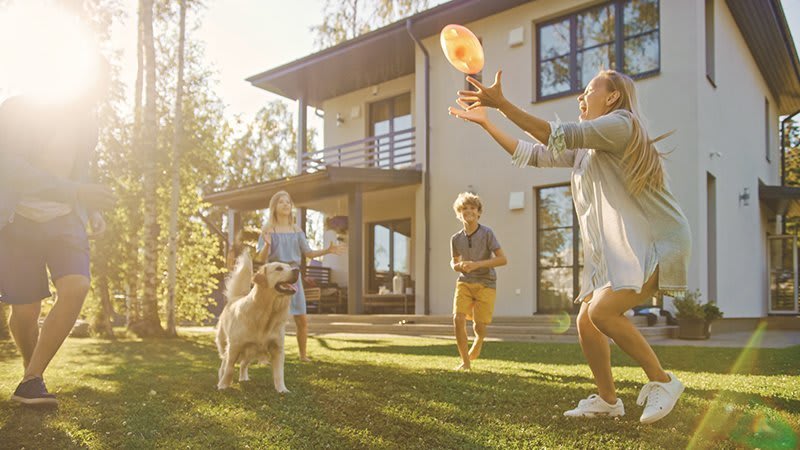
(478, 246)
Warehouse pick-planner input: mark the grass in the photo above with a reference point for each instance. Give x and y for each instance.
(393, 393)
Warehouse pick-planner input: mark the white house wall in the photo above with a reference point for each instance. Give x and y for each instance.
(731, 119)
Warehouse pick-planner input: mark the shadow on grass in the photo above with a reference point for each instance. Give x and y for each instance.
(357, 394)
(764, 361)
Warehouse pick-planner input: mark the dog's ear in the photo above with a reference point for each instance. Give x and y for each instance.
(260, 278)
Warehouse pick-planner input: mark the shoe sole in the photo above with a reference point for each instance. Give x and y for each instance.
(594, 415)
(35, 401)
(665, 412)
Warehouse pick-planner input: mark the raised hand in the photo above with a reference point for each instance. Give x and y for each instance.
(490, 97)
(476, 115)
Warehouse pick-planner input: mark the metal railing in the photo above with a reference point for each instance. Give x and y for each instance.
(387, 151)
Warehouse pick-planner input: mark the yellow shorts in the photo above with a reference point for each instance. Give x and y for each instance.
(474, 300)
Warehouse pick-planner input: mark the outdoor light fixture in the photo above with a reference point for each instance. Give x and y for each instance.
(744, 197)
(339, 119)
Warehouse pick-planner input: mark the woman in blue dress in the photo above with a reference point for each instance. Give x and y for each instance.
(282, 240)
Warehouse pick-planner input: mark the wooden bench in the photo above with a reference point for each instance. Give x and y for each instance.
(323, 294)
(389, 301)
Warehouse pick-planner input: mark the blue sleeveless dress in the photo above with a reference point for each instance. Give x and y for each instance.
(289, 248)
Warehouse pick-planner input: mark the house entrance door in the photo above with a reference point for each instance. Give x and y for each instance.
(782, 266)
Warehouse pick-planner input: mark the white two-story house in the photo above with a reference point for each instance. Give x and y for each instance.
(719, 72)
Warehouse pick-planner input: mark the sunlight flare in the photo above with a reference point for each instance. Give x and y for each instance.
(45, 52)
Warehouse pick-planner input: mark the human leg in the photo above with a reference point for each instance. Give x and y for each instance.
(483, 310)
(480, 334)
(71, 291)
(606, 313)
(460, 328)
(24, 327)
(301, 324)
(597, 352)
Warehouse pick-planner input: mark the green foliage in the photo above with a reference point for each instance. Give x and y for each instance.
(344, 20)
(690, 307)
(381, 393)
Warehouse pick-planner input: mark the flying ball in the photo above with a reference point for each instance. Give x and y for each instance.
(462, 49)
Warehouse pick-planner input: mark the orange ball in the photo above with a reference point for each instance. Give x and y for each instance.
(462, 49)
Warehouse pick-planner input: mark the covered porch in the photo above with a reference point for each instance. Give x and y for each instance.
(373, 200)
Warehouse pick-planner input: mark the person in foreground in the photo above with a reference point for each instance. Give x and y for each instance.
(283, 241)
(46, 202)
(636, 240)
(475, 252)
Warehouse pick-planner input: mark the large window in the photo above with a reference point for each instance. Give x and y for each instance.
(387, 118)
(558, 250)
(390, 252)
(621, 35)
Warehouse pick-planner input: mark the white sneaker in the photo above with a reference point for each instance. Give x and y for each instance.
(660, 398)
(594, 406)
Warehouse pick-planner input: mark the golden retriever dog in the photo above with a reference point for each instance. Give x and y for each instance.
(252, 325)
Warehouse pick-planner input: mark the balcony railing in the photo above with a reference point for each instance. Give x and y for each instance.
(387, 151)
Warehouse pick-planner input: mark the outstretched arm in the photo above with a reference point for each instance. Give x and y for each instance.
(492, 97)
(479, 116)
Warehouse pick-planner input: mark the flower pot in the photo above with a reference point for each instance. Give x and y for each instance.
(693, 329)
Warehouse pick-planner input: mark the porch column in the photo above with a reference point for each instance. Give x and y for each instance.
(234, 225)
(355, 249)
(302, 125)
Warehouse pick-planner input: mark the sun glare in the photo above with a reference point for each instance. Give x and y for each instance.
(44, 52)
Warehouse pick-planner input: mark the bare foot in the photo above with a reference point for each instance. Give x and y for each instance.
(305, 359)
(463, 367)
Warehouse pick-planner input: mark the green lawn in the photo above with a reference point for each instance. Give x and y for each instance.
(393, 393)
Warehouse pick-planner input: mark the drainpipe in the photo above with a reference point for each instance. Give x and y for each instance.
(783, 161)
(427, 175)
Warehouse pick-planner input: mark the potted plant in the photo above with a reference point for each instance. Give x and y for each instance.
(694, 318)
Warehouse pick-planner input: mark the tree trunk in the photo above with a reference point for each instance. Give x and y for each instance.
(101, 323)
(177, 142)
(150, 322)
(4, 332)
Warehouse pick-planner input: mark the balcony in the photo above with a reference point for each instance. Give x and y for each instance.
(387, 151)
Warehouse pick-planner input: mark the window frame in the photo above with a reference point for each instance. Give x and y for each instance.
(619, 47)
(577, 267)
(391, 224)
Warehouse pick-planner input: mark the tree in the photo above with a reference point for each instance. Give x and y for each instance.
(150, 323)
(344, 20)
(177, 142)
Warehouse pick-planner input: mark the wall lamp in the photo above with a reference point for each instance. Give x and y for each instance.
(744, 197)
(339, 119)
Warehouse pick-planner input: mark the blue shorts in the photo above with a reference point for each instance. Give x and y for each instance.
(28, 249)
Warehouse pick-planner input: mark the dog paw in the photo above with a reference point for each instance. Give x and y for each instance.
(222, 387)
(283, 390)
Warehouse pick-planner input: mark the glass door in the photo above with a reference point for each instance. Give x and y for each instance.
(782, 255)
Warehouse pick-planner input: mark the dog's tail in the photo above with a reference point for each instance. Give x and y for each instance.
(238, 283)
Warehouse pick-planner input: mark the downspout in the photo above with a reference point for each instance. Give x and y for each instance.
(427, 175)
(783, 161)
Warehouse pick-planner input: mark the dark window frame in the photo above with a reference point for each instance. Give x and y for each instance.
(619, 47)
(372, 280)
(710, 43)
(767, 130)
(576, 265)
(392, 102)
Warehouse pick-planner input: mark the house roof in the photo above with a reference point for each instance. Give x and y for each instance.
(764, 27)
(781, 199)
(372, 58)
(333, 181)
(388, 53)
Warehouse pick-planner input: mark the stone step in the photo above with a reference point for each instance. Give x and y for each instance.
(390, 319)
(517, 332)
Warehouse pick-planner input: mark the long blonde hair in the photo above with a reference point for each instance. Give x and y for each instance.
(641, 160)
(273, 210)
